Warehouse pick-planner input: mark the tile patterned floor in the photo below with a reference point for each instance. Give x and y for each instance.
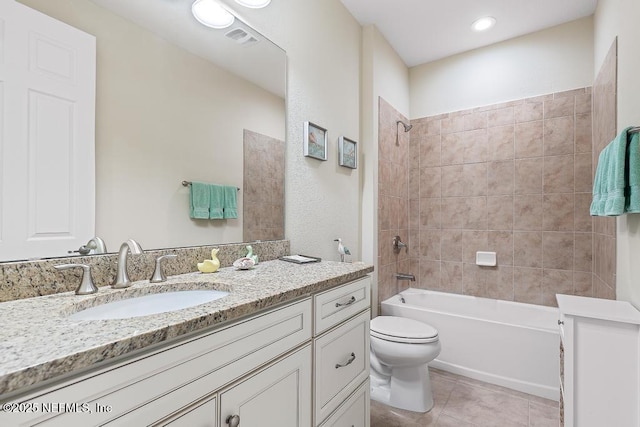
(464, 402)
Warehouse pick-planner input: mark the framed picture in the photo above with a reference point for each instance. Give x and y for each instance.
(348, 152)
(315, 141)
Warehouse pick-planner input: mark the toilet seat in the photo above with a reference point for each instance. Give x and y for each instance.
(402, 330)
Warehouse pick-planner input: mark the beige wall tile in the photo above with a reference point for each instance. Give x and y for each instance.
(558, 174)
(527, 212)
(451, 277)
(527, 249)
(558, 136)
(452, 181)
(528, 176)
(474, 146)
(582, 173)
(528, 139)
(500, 213)
(430, 182)
(451, 245)
(453, 123)
(500, 142)
(453, 209)
(557, 250)
(475, 121)
(473, 241)
(430, 213)
(474, 216)
(582, 218)
(556, 282)
(499, 283)
(430, 151)
(559, 107)
(528, 111)
(583, 252)
(501, 242)
(430, 245)
(474, 179)
(474, 280)
(500, 117)
(451, 148)
(558, 212)
(583, 138)
(429, 274)
(527, 285)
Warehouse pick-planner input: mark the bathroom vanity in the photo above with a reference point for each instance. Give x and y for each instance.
(599, 368)
(289, 346)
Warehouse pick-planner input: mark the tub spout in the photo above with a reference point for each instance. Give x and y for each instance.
(404, 276)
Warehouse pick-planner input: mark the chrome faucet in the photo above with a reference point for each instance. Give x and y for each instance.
(405, 276)
(95, 243)
(122, 277)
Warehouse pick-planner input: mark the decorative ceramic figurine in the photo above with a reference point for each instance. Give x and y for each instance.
(210, 265)
(251, 255)
(342, 250)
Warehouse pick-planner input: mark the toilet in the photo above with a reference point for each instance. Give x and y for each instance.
(400, 351)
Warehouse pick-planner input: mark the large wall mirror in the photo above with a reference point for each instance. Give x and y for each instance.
(175, 102)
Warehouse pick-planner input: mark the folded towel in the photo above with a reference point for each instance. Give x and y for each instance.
(199, 195)
(230, 202)
(615, 188)
(216, 201)
(632, 192)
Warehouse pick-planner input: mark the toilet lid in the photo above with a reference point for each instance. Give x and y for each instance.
(401, 329)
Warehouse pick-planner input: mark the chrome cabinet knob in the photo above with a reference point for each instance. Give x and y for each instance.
(233, 420)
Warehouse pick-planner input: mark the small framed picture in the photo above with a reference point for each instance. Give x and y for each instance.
(315, 141)
(348, 152)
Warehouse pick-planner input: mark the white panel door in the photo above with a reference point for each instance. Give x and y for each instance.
(47, 134)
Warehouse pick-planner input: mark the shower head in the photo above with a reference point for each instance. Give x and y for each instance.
(407, 127)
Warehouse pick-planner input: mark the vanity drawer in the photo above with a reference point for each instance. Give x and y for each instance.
(177, 376)
(353, 412)
(341, 364)
(338, 304)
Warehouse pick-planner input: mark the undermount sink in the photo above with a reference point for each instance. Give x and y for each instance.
(148, 304)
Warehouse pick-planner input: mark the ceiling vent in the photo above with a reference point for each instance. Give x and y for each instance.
(241, 36)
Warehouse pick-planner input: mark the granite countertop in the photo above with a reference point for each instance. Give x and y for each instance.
(38, 342)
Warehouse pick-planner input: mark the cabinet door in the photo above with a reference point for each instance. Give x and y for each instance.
(277, 396)
(201, 415)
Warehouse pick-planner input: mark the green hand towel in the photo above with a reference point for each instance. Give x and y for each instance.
(611, 179)
(199, 200)
(230, 202)
(632, 191)
(216, 202)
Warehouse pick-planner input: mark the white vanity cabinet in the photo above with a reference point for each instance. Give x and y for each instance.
(600, 362)
(341, 352)
(279, 368)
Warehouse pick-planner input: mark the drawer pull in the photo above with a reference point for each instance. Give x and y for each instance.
(351, 301)
(349, 362)
(560, 322)
(233, 420)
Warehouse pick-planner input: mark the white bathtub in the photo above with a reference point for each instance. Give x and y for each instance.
(511, 344)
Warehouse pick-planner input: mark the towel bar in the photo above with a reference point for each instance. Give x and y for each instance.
(188, 183)
(634, 130)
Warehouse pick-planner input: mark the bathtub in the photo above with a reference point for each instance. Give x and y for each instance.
(510, 344)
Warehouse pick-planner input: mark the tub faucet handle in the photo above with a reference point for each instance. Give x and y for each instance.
(398, 244)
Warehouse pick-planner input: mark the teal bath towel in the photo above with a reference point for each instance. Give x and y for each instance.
(199, 194)
(632, 191)
(216, 202)
(616, 186)
(230, 202)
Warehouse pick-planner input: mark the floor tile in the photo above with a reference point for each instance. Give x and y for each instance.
(486, 407)
(543, 415)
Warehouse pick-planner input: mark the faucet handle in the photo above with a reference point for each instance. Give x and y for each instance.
(158, 274)
(86, 286)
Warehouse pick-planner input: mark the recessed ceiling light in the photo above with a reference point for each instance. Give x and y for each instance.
(254, 4)
(483, 24)
(211, 14)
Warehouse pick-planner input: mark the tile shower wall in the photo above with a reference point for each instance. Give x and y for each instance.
(393, 200)
(263, 202)
(604, 130)
(514, 178)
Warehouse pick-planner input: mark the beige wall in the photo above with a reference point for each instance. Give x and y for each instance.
(322, 41)
(552, 60)
(163, 116)
(384, 75)
(620, 18)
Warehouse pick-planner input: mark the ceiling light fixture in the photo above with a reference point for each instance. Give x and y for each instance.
(483, 24)
(254, 4)
(212, 14)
